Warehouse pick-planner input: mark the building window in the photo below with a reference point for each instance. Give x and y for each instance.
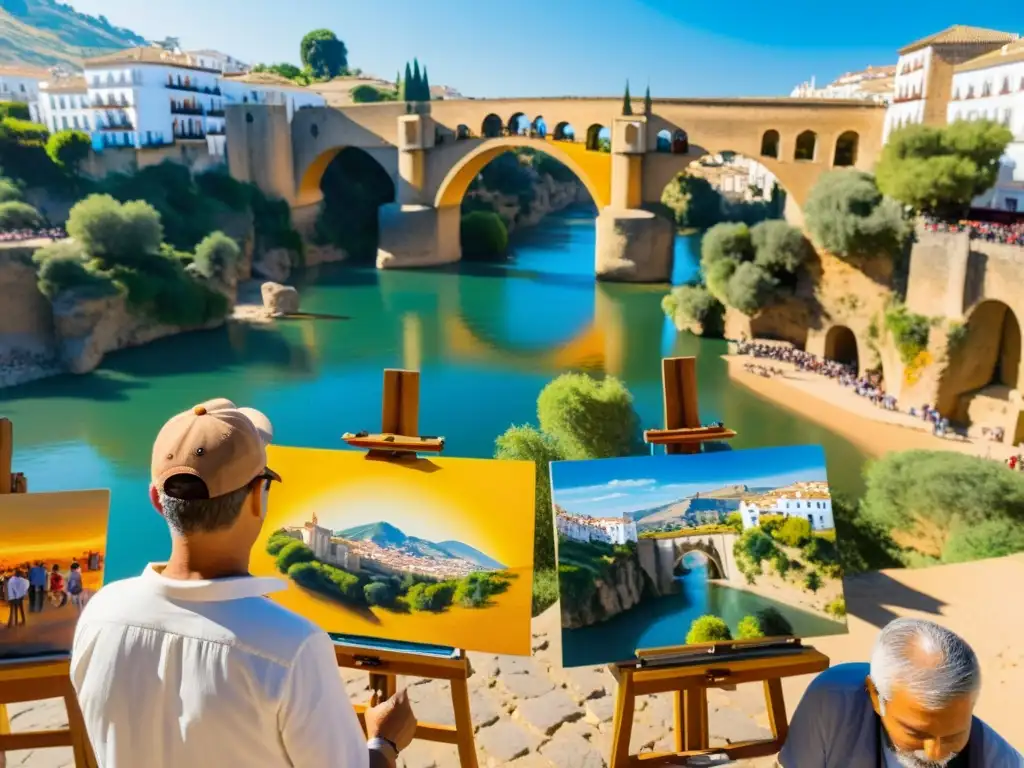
(986, 89)
(64, 122)
(53, 102)
(74, 122)
(1011, 204)
(63, 103)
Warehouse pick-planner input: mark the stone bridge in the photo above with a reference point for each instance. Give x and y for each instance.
(660, 558)
(433, 151)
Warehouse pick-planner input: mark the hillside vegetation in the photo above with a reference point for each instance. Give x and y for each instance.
(45, 33)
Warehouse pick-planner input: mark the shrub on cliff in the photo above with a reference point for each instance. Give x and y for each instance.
(115, 233)
(17, 215)
(939, 170)
(61, 267)
(864, 545)
(69, 149)
(909, 330)
(750, 288)
(749, 628)
(708, 629)
(589, 418)
(694, 203)
(847, 215)
(694, 304)
(483, 235)
(216, 256)
(957, 506)
(9, 191)
(793, 532)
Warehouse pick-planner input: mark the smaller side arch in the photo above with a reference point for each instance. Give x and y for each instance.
(594, 137)
(462, 132)
(680, 142)
(492, 126)
(565, 132)
(770, 143)
(806, 146)
(515, 124)
(845, 154)
(841, 346)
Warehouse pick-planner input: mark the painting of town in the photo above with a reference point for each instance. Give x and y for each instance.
(662, 551)
(51, 562)
(435, 551)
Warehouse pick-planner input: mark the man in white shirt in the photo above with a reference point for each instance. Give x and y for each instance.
(190, 664)
(16, 587)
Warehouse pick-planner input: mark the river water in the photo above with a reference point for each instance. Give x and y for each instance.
(487, 338)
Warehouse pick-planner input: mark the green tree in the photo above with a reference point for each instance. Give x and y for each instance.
(483, 234)
(216, 257)
(19, 110)
(750, 288)
(863, 545)
(9, 191)
(693, 303)
(69, 149)
(910, 331)
(847, 215)
(708, 629)
(694, 203)
(426, 85)
(367, 94)
(377, 593)
(779, 248)
(648, 104)
(812, 581)
(837, 607)
(794, 532)
(417, 79)
(324, 54)
(749, 628)
(940, 169)
(408, 90)
(526, 443)
(115, 232)
(755, 545)
(62, 267)
(773, 623)
(627, 102)
(17, 215)
(290, 554)
(589, 418)
(399, 86)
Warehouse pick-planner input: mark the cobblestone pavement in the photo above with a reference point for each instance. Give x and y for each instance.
(527, 712)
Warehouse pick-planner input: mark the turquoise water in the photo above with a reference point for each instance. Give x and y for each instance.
(664, 621)
(487, 338)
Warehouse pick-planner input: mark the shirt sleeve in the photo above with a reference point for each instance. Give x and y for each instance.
(806, 741)
(319, 727)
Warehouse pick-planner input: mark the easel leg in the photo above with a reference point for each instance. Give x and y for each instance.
(463, 723)
(695, 729)
(776, 702)
(625, 703)
(384, 685)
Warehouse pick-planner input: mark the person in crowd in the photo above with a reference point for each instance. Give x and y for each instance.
(189, 663)
(58, 597)
(911, 707)
(76, 589)
(37, 583)
(17, 587)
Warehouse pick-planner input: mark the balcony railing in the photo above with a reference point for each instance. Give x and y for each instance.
(193, 88)
(184, 109)
(215, 113)
(100, 104)
(214, 131)
(116, 127)
(190, 136)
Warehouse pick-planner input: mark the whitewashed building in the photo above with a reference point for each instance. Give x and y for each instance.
(609, 530)
(222, 62)
(871, 84)
(922, 87)
(811, 501)
(992, 87)
(269, 88)
(19, 83)
(64, 105)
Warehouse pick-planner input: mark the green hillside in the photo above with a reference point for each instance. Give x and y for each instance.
(44, 33)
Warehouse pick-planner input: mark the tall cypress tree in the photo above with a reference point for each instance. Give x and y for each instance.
(417, 78)
(406, 93)
(426, 84)
(398, 85)
(627, 104)
(648, 105)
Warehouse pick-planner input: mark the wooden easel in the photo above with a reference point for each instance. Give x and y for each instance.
(399, 440)
(720, 665)
(36, 680)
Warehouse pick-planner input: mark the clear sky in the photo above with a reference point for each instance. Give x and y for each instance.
(613, 487)
(571, 47)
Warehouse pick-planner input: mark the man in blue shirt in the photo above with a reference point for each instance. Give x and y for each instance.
(37, 578)
(912, 707)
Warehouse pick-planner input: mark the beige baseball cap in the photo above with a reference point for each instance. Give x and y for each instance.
(221, 444)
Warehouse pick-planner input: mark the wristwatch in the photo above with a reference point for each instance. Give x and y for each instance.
(386, 747)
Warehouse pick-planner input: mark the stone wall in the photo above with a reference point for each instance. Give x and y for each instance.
(26, 322)
(193, 155)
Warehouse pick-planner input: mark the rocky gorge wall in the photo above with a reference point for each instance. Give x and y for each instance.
(622, 588)
(550, 196)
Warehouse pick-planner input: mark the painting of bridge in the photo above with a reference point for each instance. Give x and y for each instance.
(671, 550)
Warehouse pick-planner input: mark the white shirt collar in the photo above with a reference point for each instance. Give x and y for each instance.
(210, 590)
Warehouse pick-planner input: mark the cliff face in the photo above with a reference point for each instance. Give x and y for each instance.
(549, 196)
(621, 590)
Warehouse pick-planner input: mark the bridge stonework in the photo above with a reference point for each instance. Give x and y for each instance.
(420, 147)
(660, 557)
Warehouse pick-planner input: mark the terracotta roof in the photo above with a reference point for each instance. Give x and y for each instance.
(20, 71)
(1008, 54)
(265, 78)
(960, 34)
(75, 84)
(149, 55)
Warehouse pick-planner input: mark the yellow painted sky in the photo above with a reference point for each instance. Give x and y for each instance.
(483, 503)
(47, 525)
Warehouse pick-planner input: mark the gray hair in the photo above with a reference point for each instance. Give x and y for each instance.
(934, 665)
(190, 516)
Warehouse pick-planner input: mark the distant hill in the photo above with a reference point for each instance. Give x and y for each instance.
(45, 33)
(727, 492)
(387, 535)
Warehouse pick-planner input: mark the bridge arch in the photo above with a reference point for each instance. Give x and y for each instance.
(806, 147)
(456, 182)
(492, 126)
(309, 186)
(517, 124)
(565, 132)
(708, 551)
(845, 154)
(841, 346)
(770, 143)
(462, 132)
(598, 138)
(539, 126)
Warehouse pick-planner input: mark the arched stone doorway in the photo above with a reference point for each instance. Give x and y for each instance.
(841, 346)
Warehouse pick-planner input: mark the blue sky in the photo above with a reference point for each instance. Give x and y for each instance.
(612, 487)
(571, 47)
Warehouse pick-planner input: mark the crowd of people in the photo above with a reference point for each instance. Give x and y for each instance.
(37, 585)
(22, 235)
(993, 232)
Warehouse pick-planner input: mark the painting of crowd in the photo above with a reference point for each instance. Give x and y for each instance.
(32, 587)
(23, 235)
(993, 232)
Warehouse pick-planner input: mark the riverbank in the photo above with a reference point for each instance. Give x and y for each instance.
(874, 430)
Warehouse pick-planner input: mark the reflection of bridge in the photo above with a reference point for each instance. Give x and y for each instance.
(434, 152)
(660, 558)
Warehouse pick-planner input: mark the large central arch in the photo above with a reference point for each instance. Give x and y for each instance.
(309, 181)
(716, 570)
(593, 169)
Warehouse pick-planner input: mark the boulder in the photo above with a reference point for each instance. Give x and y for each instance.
(275, 265)
(279, 299)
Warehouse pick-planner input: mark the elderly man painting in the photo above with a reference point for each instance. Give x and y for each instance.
(912, 707)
